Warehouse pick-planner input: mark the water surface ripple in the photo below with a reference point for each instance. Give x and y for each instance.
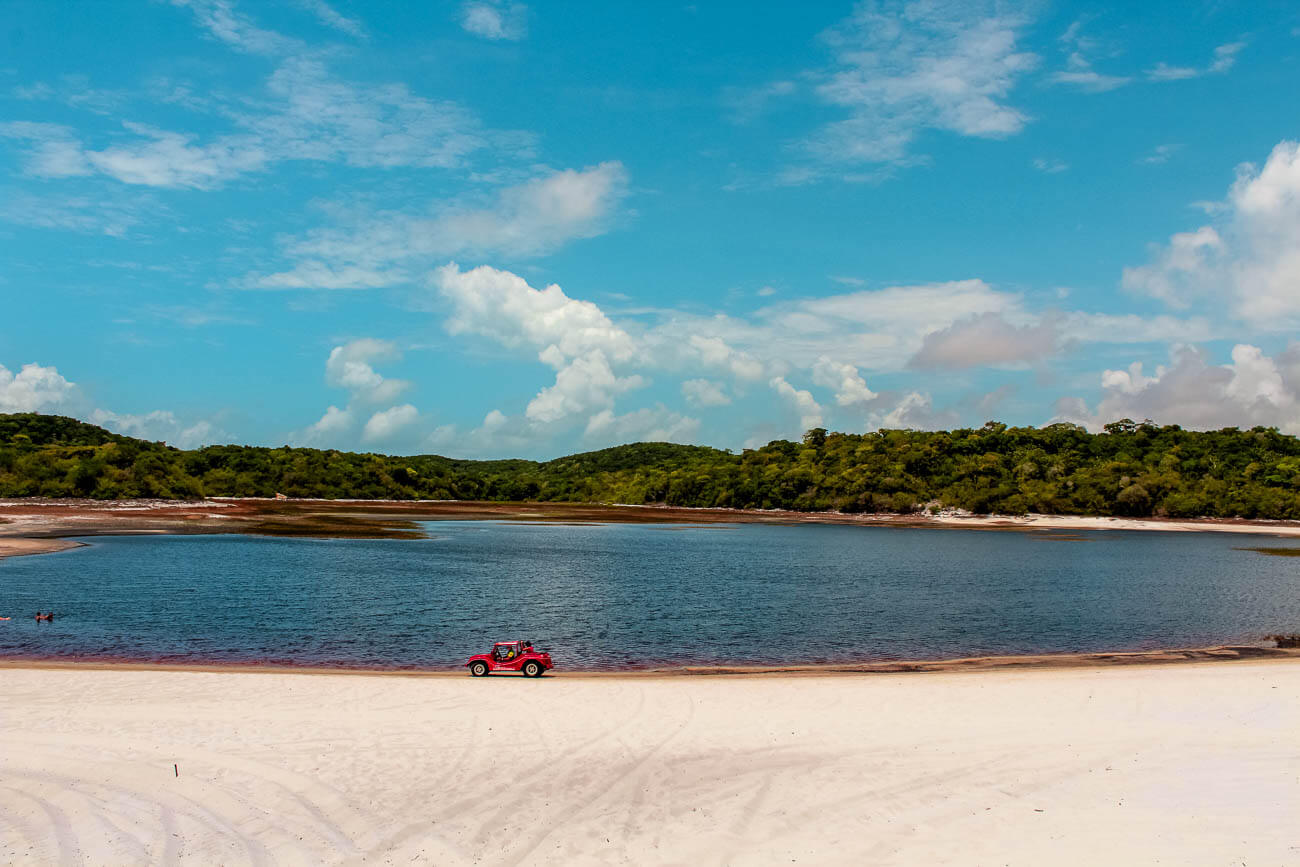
(620, 595)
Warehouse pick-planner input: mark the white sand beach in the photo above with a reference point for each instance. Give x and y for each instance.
(1174, 764)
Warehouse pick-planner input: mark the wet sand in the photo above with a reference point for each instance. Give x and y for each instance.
(1190, 764)
(22, 547)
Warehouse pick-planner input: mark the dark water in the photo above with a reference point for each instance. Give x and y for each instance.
(616, 595)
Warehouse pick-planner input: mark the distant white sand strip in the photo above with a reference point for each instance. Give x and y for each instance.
(1192, 764)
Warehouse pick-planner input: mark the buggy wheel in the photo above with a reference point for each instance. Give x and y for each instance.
(478, 669)
(532, 669)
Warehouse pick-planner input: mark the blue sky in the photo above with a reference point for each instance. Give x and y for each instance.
(492, 229)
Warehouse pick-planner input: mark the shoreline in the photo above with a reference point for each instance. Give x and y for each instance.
(975, 664)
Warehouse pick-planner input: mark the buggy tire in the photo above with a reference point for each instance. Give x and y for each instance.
(478, 669)
(532, 669)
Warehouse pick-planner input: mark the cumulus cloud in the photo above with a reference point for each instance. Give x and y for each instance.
(387, 423)
(1252, 389)
(349, 366)
(914, 411)
(584, 384)
(35, 388)
(334, 421)
(643, 425)
(849, 386)
(495, 19)
(501, 305)
(986, 339)
(810, 412)
(904, 67)
(161, 426)
(712, 351)
(705, 392)
(1251, 258)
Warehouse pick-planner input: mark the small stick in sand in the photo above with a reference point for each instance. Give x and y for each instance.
(176, 769)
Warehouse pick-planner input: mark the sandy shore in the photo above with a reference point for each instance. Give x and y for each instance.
(11, 547)
(1139, 765)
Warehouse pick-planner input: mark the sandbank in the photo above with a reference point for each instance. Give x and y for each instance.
(33, 519)
(1192, 764)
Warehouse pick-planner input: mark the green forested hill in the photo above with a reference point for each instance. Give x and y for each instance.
(1131, 469)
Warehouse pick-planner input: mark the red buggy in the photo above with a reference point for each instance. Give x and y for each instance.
(511, 656)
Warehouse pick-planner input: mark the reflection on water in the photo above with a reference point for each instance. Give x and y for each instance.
(614, 595)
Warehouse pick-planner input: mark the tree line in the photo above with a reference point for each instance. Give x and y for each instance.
(1135, 469)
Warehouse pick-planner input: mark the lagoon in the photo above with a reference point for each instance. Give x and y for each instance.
(614, 596)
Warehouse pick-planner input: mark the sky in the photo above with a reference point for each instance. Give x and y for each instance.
(496, 229)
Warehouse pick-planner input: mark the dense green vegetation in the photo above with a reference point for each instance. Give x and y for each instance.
(1131, 469)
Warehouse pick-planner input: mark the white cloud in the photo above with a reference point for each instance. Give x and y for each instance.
(1253, 389)
(334, 421)
(1079, 327)
(643, 425)
(586, 383)
(1160, 154)
(1225, 57)
(35, 389)
(1186, 257)
(160, 426)
(905, 67)
(525, 220)
(810, 412)
(96, 215)
(502, 306)
(495, 19)
(305, 114)
(76, 92)
(1078, 70)
(1251, 260)
(348, 366)
(168, 159)
(331, 17)
(713, 351)
(1050, 166)
(317, 275)
(222, 22)
(986, 339)
(849, 386)
(1164, 72)
(156, 158)
(387, 423)
(1090, 80)
(705, 392)
(914, 411)
(313, 115)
